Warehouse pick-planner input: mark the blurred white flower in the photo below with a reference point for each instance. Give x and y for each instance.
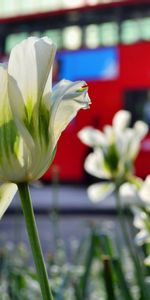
(91, 137)
(95, 164)
(147, 261)
(136, 193)
(114, 151)
(128, 194)
(99, 191)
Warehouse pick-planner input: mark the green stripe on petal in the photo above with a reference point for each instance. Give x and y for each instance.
(7, 193)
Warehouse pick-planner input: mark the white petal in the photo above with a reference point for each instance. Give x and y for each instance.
(141, 129)
(3, 80)
(123, 142)
(29, 85)
(121, 120)
(95, 165)
(91, 137)
(7, 193)
(142, 237)
(109, 133)
(68, 98)
(29, 65)
(9, 137)
(131, 143)
(128, 194)
(99, 191)
(5, 113)
(147, 261)
(139, 219)
(144, 192)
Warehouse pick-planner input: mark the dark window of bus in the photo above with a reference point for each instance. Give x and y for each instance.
(138, 103)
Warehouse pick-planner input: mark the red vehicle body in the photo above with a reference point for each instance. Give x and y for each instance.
(107, 98)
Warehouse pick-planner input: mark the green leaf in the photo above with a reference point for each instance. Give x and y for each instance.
(106, 245)
(109, 278)
(123, 285)
(81, 289)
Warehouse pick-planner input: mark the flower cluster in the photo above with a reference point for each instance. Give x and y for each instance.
(114, 151)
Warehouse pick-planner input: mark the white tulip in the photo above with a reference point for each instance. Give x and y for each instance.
(32, 114)
(115, 149)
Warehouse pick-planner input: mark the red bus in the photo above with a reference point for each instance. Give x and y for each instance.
(108, 46)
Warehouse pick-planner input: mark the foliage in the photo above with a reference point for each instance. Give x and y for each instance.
(96, 270)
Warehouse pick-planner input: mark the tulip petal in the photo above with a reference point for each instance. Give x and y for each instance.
(30, 64)
(17, 107)
(95, 165)
(121, 120)
(142, 237)
(68, 98)
(29, 85)
(147, 261)
(11, 143)
(91, 137)
(141, 129)
(139, 219)
(5, 115)
(7, 193)
(99, 191)
(128, 194)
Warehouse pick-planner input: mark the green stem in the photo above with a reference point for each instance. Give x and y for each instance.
(34, 240)
(138, 267)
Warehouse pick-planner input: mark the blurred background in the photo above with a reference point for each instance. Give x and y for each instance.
(107, 44)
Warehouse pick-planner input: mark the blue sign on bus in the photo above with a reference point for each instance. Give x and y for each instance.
(95, 64)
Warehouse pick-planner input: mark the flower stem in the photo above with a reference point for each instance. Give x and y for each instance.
(34, 240)
(138, 267)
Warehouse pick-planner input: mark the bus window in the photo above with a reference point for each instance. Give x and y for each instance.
(13, 39)
(138, 103)
(145, 28)
(130, 32)
(55, 35)
(109, 34)
(92, 36)
(72, 37)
